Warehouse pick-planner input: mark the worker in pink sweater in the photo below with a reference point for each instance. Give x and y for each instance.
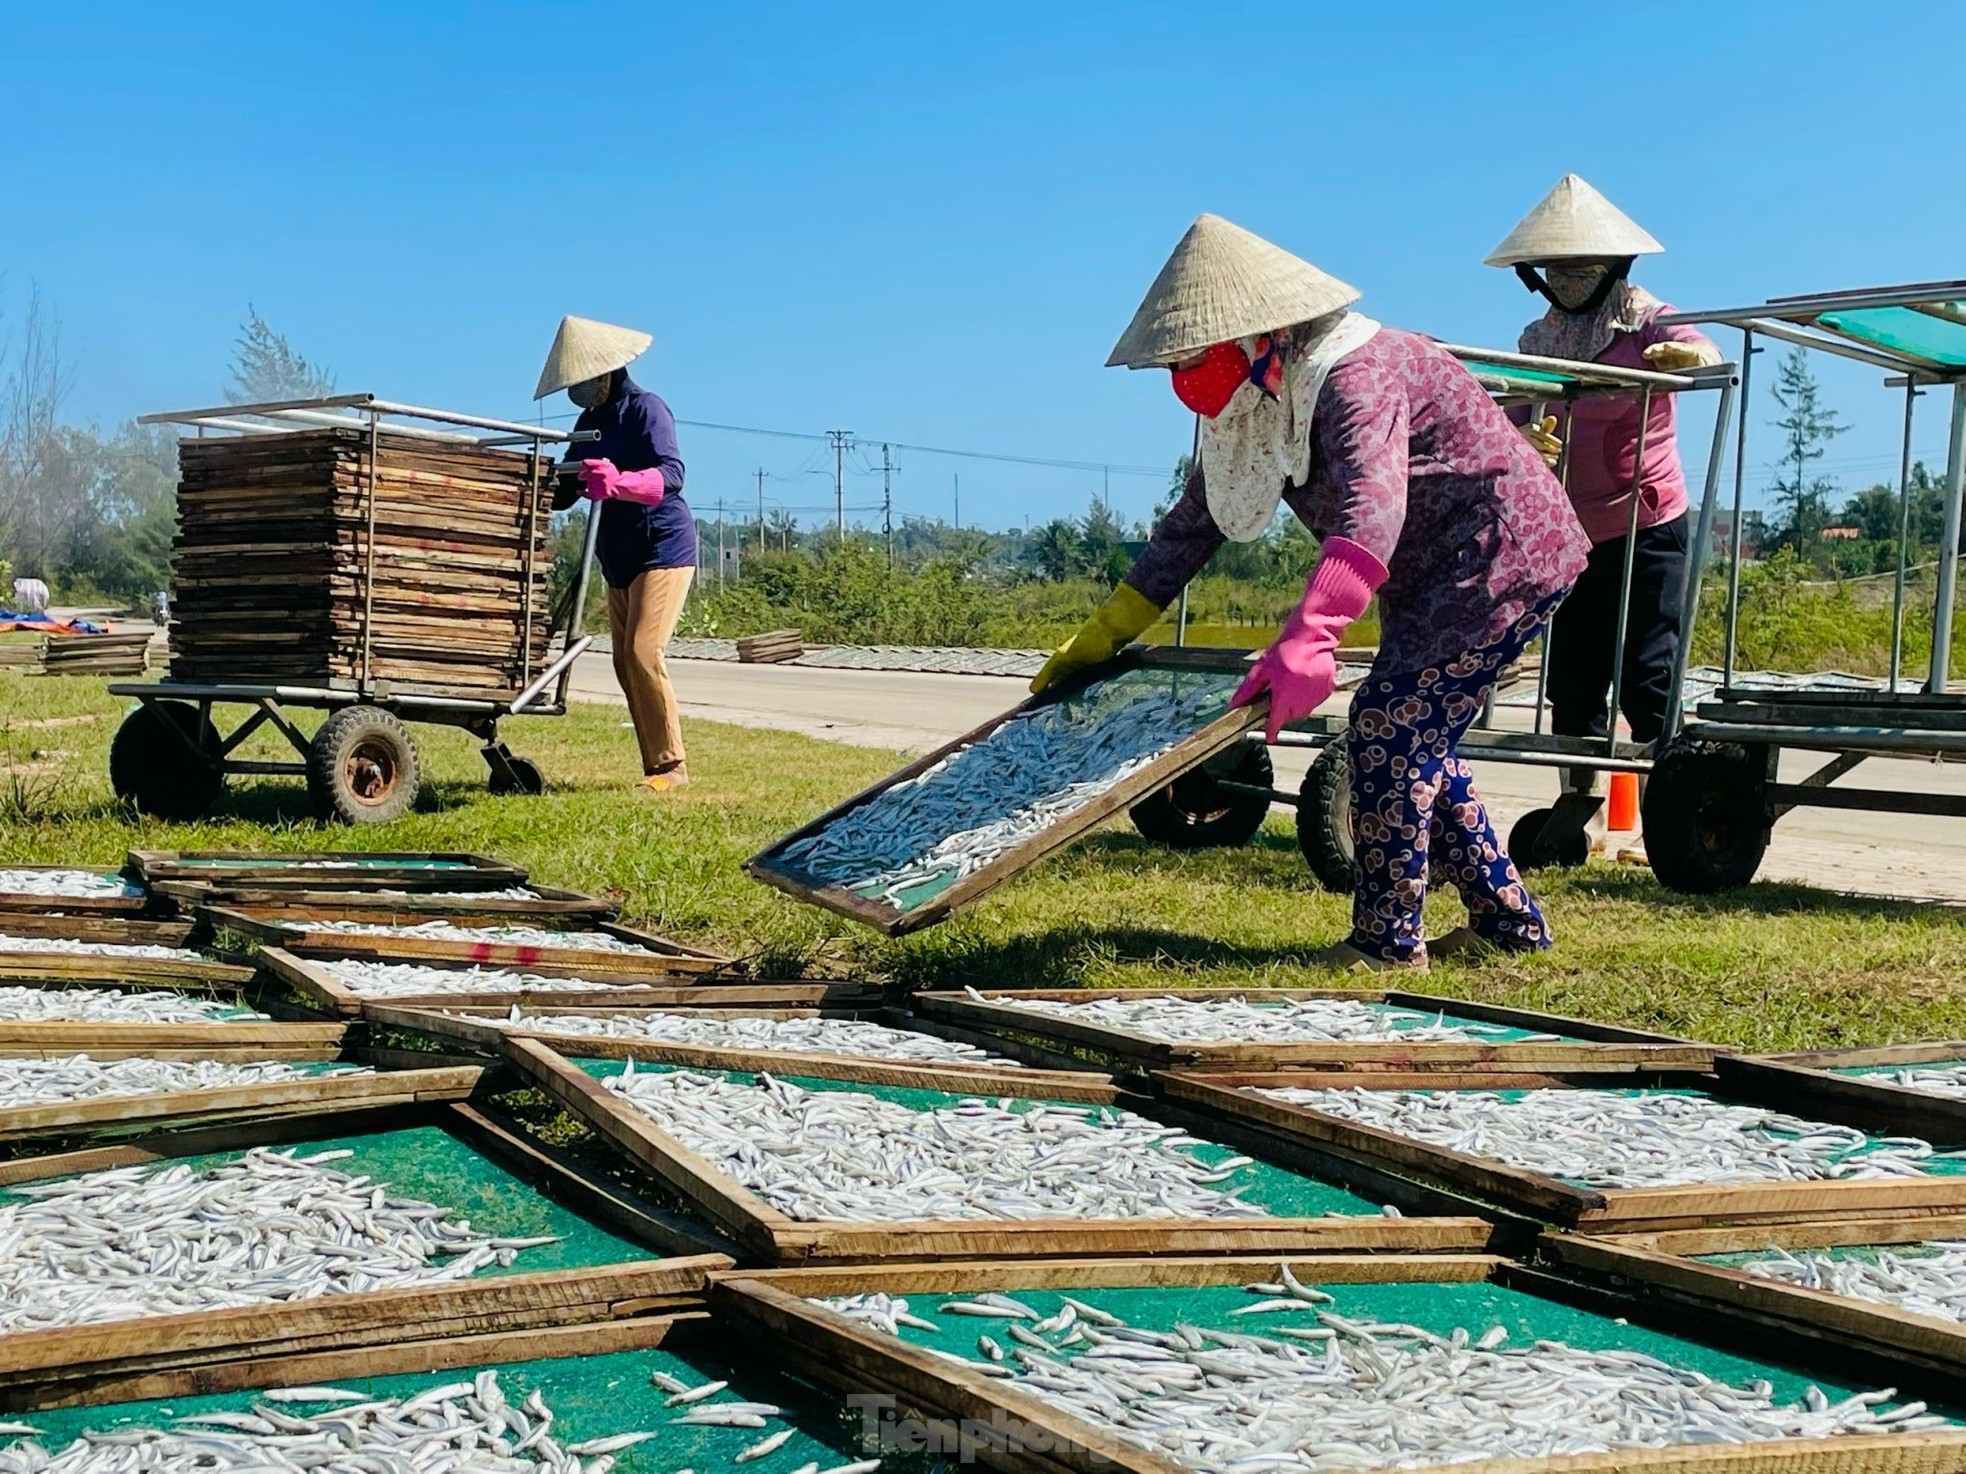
(1575, 249)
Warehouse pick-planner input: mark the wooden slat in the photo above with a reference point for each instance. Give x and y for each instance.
(409, 872)
(246, 1039)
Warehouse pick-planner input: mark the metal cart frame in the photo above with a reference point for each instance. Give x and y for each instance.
(1225, 800)
(1717, 793)
(360, 785)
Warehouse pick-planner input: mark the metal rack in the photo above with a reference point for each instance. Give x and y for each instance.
(1716, 792)
(170, 741)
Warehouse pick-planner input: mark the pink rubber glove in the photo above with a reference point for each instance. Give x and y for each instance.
(1300, 669)
(601, 481)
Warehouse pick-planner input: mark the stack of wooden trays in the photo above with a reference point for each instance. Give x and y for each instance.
(276, 578)
(96, 655)
(770, 648)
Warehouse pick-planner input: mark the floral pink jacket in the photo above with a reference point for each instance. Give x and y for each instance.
(1411, 459)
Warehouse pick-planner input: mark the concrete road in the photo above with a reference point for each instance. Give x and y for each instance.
(1902, 855)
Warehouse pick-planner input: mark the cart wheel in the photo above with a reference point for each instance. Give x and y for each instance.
(1527, 850)
(151, 767)
(1706, 819)
(1195, 812)
(361, 767)
(520, 775)
(1324, 819)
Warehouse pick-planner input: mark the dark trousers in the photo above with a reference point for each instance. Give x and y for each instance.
(1586, 626)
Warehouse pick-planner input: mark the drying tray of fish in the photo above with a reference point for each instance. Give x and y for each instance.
(606, 947)
(42, 948)
(532, 904)
(565, 1400)
(108, 1089)
(204, 1252)
(877, 1046)
(817, 1168)
(75, 890)
(1370, 1363)
(1889, 1285)
(335, 984)
(1328, 1028)
(195, 1021)
(953, 825)
(342, 870)
(1666, 1150)
(1927, 1080)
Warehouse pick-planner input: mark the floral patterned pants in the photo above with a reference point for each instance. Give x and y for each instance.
(1414, 804)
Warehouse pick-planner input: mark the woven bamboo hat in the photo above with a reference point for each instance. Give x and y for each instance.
(1572, 222)
(1221, 283)
(584, 349)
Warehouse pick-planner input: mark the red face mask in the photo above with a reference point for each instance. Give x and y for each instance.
(1208, 386)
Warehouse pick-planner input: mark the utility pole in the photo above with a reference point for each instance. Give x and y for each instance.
(720, 542)
(840, 440)
(887, 501)
(761, 508)
(957, 478)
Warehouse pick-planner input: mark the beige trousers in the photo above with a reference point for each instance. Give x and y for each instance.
(641, 619)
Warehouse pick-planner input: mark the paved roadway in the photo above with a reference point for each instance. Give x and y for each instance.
(1911, 856)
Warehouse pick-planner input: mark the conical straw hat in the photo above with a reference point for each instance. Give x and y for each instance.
(1572, 221)
(1222, 283)
(584, 349)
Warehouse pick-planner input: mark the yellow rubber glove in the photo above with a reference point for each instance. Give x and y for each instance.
(1542, 435)
(1113, 626)
(1673, 358)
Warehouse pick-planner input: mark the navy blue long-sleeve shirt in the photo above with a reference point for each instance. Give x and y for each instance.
(638, 433)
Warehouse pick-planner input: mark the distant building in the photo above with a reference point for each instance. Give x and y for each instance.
(1753, 532)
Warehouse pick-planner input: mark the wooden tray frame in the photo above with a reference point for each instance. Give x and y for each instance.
(554, 904)
(15, 903)
(777, 1238)
(661, 957)
(767, 865)
(1590, 1046)
(833, 1351)
(150, 866)
(321, 990)
(1867, 1097)
(1224, 1094)
(248, 1039)
(472, 1027)
(122, 931)
(416, 1328)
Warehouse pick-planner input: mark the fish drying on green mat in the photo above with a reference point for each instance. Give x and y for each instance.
(70, 945)
(500, 936)
(1178, 1020)
(26, 1082)
(113, 1006)
(1925, 1279)
(68, 885)
(409, 979)
(804, 1035)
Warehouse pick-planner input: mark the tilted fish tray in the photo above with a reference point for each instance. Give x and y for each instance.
(310, 1086)
(1502, 1043)
(1319, 1200)
(312, 981)
(407, 1405)
(1209, 677)
(1755, 1187)
(42, 892)
(938, 1389)
(487, 1029)
(401, 870)
(80, 949)
(541, 904)
(617, 1273)
(651, 955)
(1703, 1272)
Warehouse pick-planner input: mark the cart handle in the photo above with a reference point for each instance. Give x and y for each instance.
(526, 697)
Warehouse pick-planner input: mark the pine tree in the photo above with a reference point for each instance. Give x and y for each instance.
(267, 370)
(1807, 429)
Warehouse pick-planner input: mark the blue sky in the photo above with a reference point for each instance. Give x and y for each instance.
(924, 223)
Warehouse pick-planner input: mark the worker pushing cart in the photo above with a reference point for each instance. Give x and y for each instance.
(1575, 249)
(1422, 491)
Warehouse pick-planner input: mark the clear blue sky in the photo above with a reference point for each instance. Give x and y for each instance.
(925, 223)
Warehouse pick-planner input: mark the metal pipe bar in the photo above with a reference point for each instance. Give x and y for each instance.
(1809, 305)
(1787, 796)
(1949, 545)
(361, 422)
(1623, 622)
(265, 769)
(1925, 743)
(1841, 347)
(185, 416)
(295, 738)
(1596, 761)
(1944, 311)
(1689, 602)
(368, 545)
(1904, 540)
(565, 661)
(369, 403)
(243, 731)
(1748, 351)
(1589, 373)
(241, 694)
(1549, 629)
(1828, 773)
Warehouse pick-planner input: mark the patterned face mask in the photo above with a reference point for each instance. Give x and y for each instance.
(1574, 283)
(589, 392)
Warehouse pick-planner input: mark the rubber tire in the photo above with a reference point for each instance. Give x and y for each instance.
(1705, 818)
(1522, 844)
(362, 767)
(529, 779)
(1192, 813)
(149, 767)
(1324, 819)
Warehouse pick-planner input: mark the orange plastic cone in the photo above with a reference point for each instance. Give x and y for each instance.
(1621, 810)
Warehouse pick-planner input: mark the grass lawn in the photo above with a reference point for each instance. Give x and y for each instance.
(1773, 966)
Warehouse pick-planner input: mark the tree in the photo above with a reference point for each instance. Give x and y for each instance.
(266, 369)
(1807, 429)
(34, 379)
(1055, 551)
